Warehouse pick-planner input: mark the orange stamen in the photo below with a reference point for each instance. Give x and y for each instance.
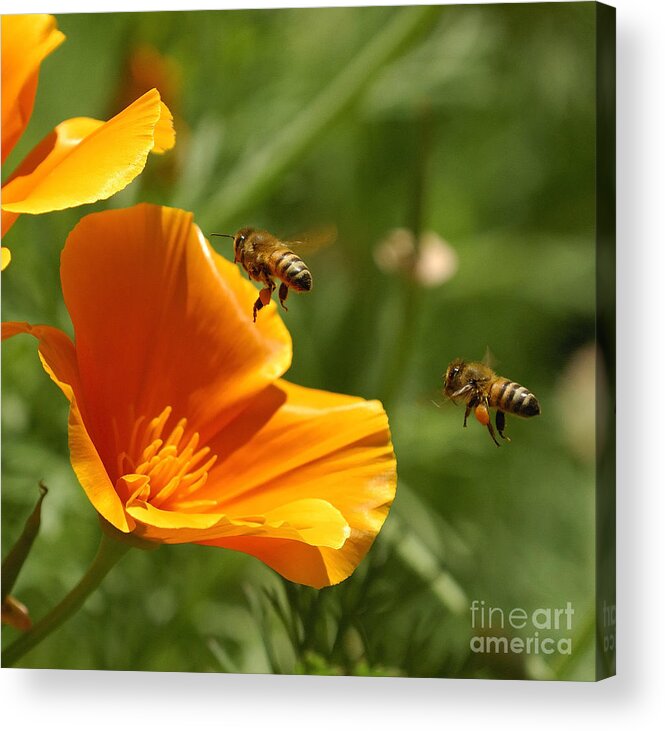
(174, 468)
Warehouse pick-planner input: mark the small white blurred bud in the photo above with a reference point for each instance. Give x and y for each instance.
(576, 402)
(395, 253)
(435, 263)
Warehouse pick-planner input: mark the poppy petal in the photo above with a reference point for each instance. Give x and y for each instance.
(41, 161)
(26, 41)
(319, 445)
(58, 356)
(162, 321)
(6, 255)
(92, 474)
(313, 522)
(164, 130)
(56, 351)
(84, 160)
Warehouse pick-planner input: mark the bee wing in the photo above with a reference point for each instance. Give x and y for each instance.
(489, 359)
(314, 239)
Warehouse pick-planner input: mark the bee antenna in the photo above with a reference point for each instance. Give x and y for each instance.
(227, 236)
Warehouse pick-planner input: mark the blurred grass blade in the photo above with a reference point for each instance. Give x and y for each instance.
(226, 664)
(288, 621)
(440, 537)
(15, 559)
(198, 170)
(252, 177)
(257, 609)
(415, 554)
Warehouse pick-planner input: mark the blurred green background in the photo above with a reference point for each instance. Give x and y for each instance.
(474, 122)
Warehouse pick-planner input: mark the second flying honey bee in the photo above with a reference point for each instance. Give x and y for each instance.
(481, 389)
(263, 256)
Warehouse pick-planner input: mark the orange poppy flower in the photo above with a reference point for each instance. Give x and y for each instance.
(82, 160)
(181, 429)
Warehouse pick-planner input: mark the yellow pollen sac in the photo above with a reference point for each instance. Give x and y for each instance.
(174, 467)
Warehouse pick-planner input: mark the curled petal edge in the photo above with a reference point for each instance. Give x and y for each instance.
(58, 357)
(84, 160)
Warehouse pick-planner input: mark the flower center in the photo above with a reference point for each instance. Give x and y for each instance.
(164, 469)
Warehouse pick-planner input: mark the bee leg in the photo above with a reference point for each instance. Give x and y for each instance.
(262, 300)
(467, 411)
(265, 294)
(501, 424)
(257, 306)
(283, 294)
(490, 428)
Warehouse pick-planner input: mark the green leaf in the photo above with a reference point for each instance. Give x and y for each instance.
(15, 559)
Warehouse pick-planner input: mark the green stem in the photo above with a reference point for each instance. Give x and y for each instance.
(255, 175)
(412, 295)
(109, 553)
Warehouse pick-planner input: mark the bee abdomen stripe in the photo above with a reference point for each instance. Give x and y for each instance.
(513, 389)
(521, 400)
(285, 259)
(521, 396)
(295, 269)
(302, 280)
(530, 407)
(498, 391)
(527, 398)
(290, 264)
(510, 397)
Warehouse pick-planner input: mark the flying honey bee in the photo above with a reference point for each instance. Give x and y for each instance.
(481, 389)
(264, 256)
